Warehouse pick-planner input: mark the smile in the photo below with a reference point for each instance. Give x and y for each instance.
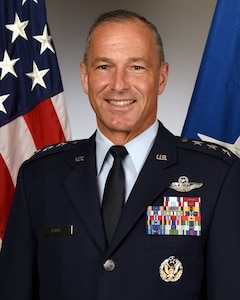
(121, 103)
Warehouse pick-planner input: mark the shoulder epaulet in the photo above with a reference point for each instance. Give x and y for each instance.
(208, 148)
(58, 147)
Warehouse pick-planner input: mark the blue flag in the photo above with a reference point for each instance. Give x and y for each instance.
(214, 111)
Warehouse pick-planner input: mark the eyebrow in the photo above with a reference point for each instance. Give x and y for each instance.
(101, 59)
(109, 60)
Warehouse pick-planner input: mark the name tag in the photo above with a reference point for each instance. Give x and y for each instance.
(59, 230)
(178, 216)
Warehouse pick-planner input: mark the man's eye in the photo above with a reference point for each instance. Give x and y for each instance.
(138, 67)
(102, 67)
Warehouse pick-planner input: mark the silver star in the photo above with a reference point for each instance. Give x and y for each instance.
(45, 40)
(235, 148)
(7, 65)
(18, 28)
(37, 76)
(225, 151)
(2, 99)
(198, 143)
(212, 147)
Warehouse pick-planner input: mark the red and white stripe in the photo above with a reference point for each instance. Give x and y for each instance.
(46, 124)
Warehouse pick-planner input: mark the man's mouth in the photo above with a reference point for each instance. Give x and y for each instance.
(121, 102)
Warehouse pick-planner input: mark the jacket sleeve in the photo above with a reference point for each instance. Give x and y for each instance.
(223, 247)
(18, 271)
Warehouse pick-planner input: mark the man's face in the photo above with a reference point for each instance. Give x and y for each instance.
(123, 79)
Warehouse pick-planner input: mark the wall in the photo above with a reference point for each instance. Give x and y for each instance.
(183, 25)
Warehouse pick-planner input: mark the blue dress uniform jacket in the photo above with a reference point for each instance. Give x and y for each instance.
(55, 245)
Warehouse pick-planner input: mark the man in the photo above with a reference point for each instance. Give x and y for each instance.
(177, 236)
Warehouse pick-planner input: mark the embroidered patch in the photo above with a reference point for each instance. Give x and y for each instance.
(178, 216)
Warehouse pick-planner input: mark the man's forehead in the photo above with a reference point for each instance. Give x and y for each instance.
(132, 24)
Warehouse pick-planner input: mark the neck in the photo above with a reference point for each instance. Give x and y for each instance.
(123, 137)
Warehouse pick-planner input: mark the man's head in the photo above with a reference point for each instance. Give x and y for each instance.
(123, 73)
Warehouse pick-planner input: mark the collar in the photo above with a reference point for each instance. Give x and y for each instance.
(135, 148)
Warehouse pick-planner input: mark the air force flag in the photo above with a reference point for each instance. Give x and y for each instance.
(214, 111)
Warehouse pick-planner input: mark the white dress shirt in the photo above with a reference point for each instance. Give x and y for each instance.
(132, 163)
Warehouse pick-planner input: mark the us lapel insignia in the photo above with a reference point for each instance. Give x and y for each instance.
(79, 158)
(184, 185)
(171, 269)
(162, 157)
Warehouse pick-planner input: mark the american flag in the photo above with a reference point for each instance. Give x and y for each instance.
(32, 105)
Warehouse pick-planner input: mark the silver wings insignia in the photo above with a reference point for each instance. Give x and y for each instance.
(184, 185)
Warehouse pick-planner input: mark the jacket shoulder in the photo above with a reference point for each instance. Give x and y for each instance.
(207, 148)
(56, 148)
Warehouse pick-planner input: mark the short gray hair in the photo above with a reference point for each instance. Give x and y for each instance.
(119, 16)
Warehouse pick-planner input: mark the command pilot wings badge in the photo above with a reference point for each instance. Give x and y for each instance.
(184, 185)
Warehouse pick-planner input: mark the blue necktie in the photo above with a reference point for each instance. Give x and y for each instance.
(114, 192)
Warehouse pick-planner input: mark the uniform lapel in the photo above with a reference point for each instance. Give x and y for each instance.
(152, 181)
(82, 188)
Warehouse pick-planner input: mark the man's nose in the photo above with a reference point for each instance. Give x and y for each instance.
(119, 81)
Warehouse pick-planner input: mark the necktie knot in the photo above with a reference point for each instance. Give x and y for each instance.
(118, 151)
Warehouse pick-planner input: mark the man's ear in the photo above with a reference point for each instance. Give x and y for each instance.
(163, 77)
(84, 76)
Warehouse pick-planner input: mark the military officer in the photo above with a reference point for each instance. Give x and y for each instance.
(176, 236)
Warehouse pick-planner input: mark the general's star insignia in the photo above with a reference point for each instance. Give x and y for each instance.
(184, 185)
(225, 151)
(198, 143)
(212, 147)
